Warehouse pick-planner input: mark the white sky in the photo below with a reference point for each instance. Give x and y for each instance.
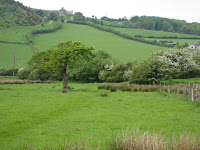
(188, 10)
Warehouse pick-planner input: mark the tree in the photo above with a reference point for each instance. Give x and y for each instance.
(78, 16)
(90, 69)
(60, 57)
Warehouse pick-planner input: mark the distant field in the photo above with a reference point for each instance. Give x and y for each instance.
(38, 115)
(17, 34)
(146, 33)
(23, 53)
(180, 41)
(120, 48)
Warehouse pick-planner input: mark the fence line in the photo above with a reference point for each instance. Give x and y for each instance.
(187, 90)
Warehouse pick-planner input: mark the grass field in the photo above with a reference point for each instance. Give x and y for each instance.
(40, 115)
(120, 48)
(23, 53)
(17, 34)
(146, 33)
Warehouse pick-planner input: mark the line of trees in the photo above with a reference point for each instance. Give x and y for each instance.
(160, 24)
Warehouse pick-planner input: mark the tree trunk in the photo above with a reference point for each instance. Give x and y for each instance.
(65, 81)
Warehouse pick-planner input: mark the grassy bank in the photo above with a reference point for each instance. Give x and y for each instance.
(40, 115)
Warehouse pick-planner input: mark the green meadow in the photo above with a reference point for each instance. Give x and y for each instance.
(41, 116)
(23, 54)
(120, 48)
(17, 34)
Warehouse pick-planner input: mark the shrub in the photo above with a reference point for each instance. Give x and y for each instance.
(23, 74)
(7, 72)
(164, 65)
(113, 89)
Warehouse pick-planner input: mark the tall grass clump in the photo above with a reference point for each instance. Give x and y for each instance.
(137, 140)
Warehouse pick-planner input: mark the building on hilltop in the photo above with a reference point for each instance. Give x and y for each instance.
(194, 46)
(62, 11)
(68, 12)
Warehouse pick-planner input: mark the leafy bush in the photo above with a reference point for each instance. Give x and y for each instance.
(89, 70)
(119, 73)
(164, 65)
(24, 73)
(7, 72)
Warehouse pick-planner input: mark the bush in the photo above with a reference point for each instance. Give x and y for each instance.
(7, 72)
(120, 73)
(23, 74)
(164, 65)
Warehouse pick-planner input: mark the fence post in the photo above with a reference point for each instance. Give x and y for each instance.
(169, 91)
(192, 93)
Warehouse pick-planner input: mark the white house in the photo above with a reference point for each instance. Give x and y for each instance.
(194, 46)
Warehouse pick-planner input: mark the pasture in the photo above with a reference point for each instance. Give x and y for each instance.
(23, 54)
(17, 34)
(41, 116)
(120, 48)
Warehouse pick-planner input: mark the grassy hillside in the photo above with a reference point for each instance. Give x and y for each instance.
(40, 115)
(121, 48)
(17, 34)
(23, 53)
(15, 13)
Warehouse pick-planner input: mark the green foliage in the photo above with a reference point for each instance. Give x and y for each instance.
(15, 13)
(165, 65)
(7, 72)
(89, 70)
(156, 23)
(59, 58)
(78, 16)
(24, 73)
(116, 73)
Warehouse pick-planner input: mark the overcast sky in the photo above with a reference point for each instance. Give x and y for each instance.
(188, 10)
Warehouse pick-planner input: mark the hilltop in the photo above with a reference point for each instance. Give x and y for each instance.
(15, 13)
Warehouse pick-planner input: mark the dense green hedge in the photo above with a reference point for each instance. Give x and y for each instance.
(13, 42)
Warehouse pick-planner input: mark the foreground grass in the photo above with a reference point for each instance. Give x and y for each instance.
(40, 115)
(120, 48)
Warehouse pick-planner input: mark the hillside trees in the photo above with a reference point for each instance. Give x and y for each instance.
(59, 58)
(78, 16)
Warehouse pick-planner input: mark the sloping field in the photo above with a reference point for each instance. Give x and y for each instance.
(22, 53)
(41, 116)
(17, 34)
(146, 33)
(120, 48)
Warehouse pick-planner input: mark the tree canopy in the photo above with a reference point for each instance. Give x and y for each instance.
(60, 57)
